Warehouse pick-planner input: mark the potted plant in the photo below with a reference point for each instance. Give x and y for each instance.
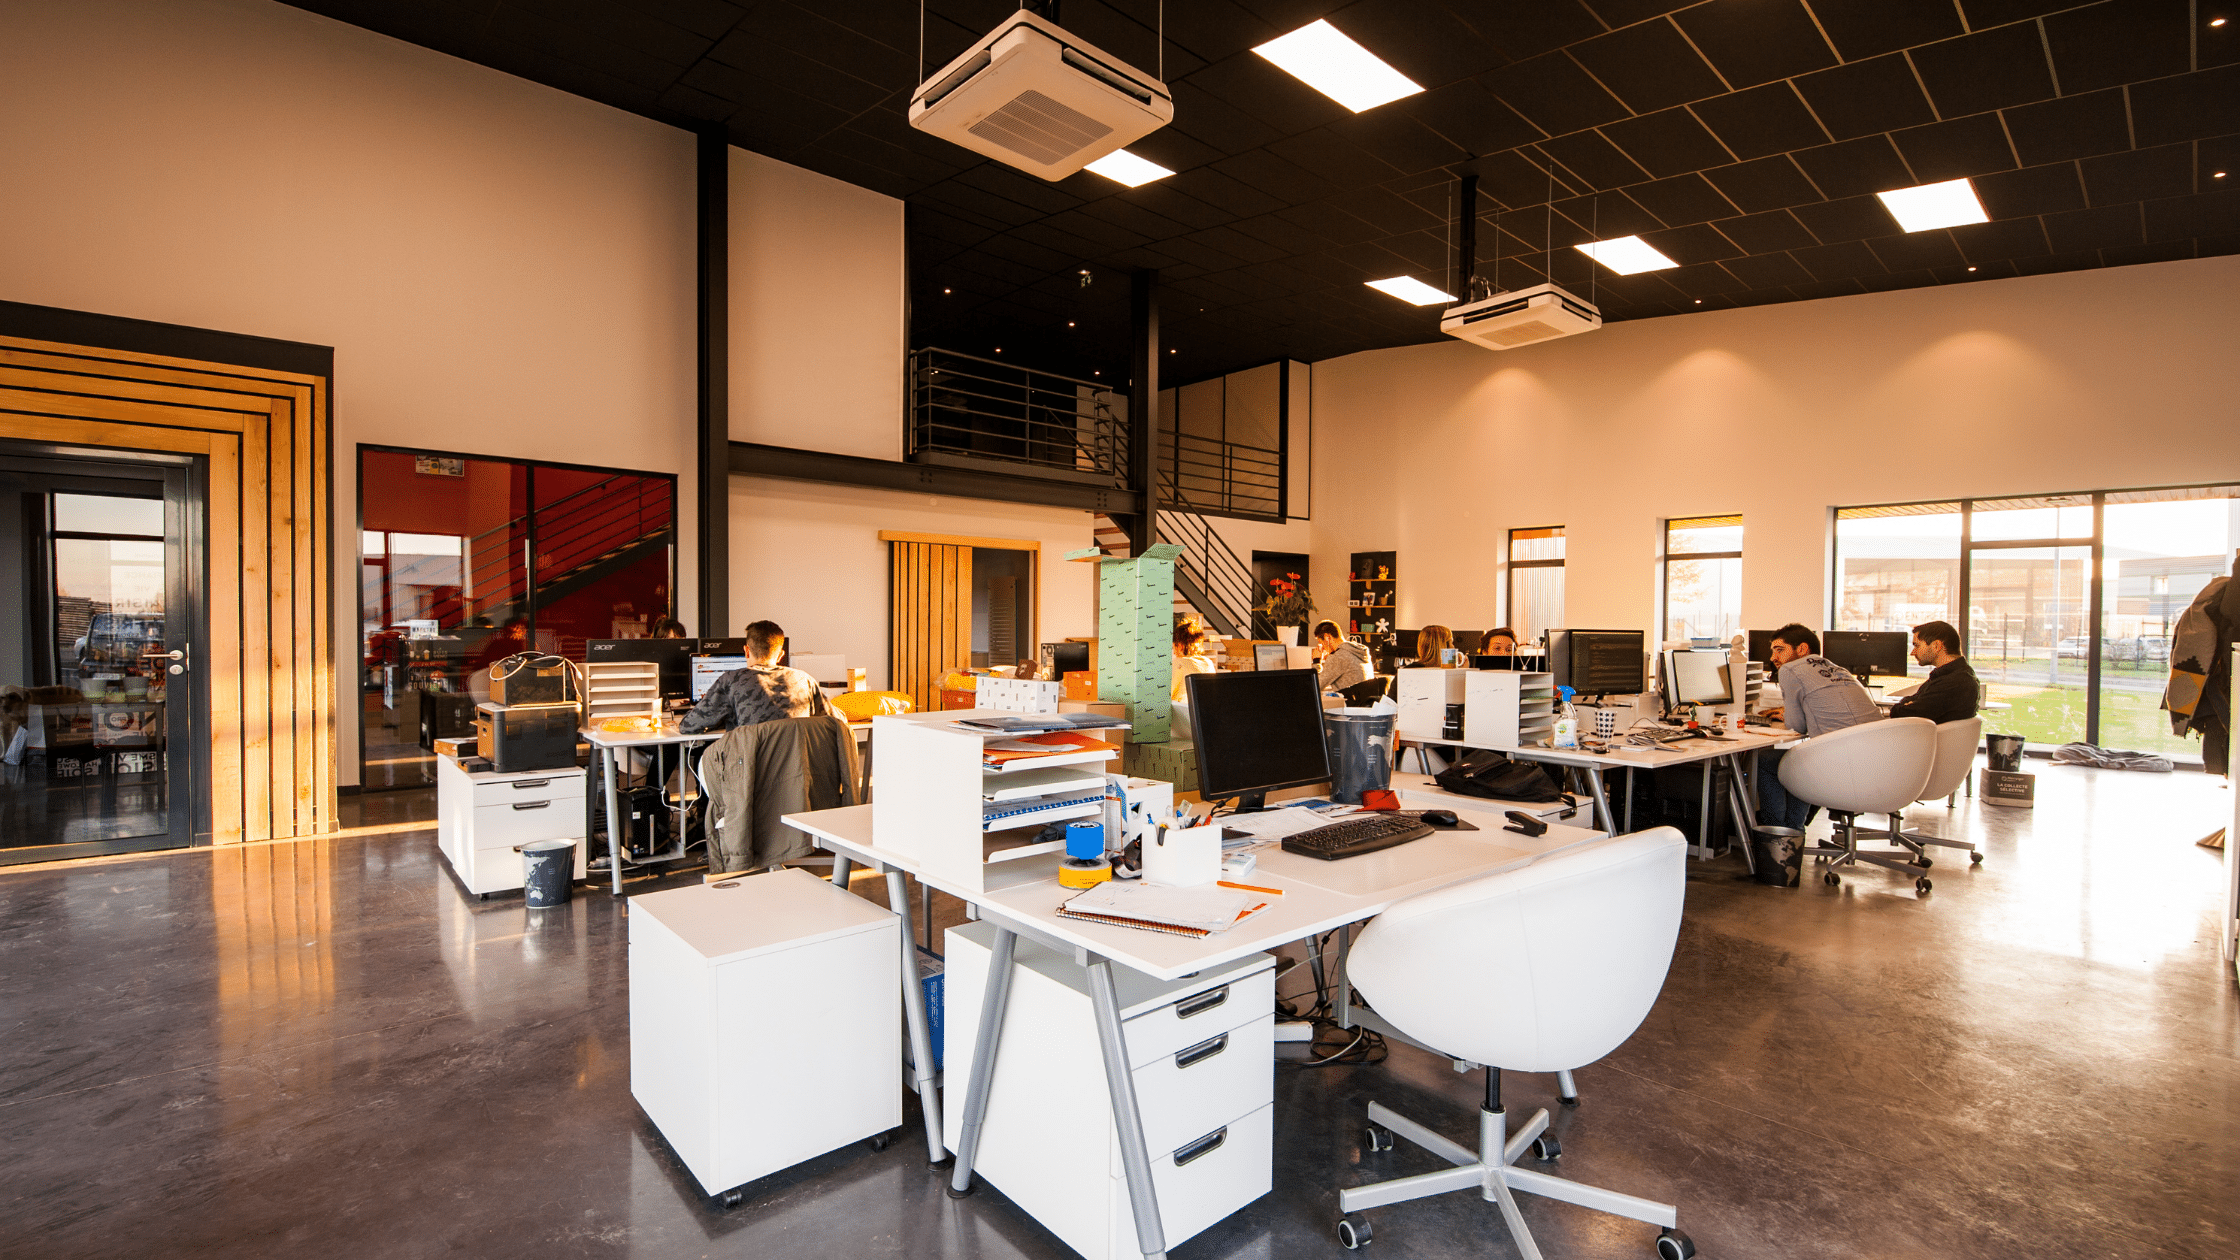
(1288, 607)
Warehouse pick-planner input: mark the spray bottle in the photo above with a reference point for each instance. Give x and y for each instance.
(1567, 721)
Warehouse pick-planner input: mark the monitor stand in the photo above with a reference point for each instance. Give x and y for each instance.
(1251, 803)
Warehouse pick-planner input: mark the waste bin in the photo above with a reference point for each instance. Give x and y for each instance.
(548, 870)
(2003, 752)
(1360, 753)
(1777, 856)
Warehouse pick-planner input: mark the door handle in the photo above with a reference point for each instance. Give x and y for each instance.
(178, 657)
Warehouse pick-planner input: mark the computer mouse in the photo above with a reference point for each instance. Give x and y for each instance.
(1440, 817)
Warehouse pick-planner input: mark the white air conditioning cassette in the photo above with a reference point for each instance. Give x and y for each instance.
(1505, 321)
(1032, 96)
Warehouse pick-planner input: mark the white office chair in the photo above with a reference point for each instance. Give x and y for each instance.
(1956, 757)
(1540, 969)
(1871, 768)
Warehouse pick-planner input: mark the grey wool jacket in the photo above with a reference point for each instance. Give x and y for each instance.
(755, 775)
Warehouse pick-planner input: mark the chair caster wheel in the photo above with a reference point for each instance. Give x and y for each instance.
(1353, 1235)
(1831, 879)
(1376, 1137)
(1975, 859)
(1921, 885)
(1546, 1147)
(1923, 863)
(733, 1198)
(881, 1141)
(1674, 1245)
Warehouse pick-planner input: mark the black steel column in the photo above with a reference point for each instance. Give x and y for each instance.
(1466, 237)
(1143, 405)
(713, 478)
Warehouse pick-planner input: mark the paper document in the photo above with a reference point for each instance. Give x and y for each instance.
(1275, 824)
(1197, 911)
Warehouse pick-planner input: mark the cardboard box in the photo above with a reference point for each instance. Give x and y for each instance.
(2015, 790)
(1080, 684)
(1175, 762)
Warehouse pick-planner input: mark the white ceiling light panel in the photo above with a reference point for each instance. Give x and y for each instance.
(1322, 57)
(1948, 204)
(1627, 255)
(1410, 290)
(1124, 167)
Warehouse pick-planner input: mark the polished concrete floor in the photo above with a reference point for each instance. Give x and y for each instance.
(325, 1049)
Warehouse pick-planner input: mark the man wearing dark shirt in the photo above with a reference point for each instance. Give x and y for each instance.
(1949, 692)
(763, 691)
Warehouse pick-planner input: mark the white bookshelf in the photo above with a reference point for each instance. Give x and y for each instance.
(1423, 694)
(1512, 708)
(620, 689)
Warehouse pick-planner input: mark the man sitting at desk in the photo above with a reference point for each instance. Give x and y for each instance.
(763, 691)
(1948, 694)
(1344, 662)
(1817, 696)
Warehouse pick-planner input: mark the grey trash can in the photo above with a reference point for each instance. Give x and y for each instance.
(2003, 752)
(1360, 753)
(548, 869)
(1777, 856)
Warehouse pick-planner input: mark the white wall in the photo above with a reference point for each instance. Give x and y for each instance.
(502, 269)
(2085, 380)
(808, 557)
(818, 294)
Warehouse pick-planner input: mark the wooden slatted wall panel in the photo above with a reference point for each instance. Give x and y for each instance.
(931, 626)
(269, 663)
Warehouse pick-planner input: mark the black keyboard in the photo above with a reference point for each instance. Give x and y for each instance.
(1352, 837)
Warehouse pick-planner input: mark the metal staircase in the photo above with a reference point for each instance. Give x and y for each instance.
(579, 538)
(1210, 579)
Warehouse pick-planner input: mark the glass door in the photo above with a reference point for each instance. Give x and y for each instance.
(2161, 548)
(2029, 595)
(98, 695)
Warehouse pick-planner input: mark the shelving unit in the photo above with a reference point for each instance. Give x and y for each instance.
(1373, 596)
(614, 689)
(1509, 707)
(931, 795)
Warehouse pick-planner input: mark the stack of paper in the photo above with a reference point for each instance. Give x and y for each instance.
(1199, 911)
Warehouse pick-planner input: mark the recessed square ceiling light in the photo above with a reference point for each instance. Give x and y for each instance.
(1627, 255)
(1320, 56)
(1410, 290)
(1124, 167)
(1948, 204)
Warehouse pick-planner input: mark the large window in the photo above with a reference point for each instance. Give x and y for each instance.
(2066, 602)
(1535, 581)
(1702, 577)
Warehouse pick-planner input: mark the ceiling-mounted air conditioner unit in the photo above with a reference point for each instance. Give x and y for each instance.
(1505, 321)
(1031, 95)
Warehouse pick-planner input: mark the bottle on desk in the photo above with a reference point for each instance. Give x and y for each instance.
(1567, 723)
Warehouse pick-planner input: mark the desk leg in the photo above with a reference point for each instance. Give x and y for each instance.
(1629, 800)
(1601, 800)
(842, 868)
(614, 821)
(1738, 802)
(992, 1002)
(1703, 810)
(914, 1017)
(1151, 1237)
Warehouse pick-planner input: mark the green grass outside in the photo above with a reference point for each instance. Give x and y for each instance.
(2129, 721)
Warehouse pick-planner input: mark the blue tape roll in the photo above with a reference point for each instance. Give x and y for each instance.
(1085, 839)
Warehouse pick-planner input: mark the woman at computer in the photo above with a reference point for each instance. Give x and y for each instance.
(1190, 640)
(1433, 642)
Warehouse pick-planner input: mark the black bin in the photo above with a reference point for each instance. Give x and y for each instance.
(2003, 752)
(548, 872)
(1777, 856)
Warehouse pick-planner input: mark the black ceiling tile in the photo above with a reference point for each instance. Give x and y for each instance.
(2119, 42)
(1399, 140)
(2216, 46)
(1470, 117)
(2104, 227)
(1627, 12)
(1594, 160)
(1258, 87)
(2141, 174)
(819, 82)
(1757, 41)
(1527, 30)
(1843, 287)
(587, 51)
(906, 160)
(1764, 297)
(1554, 94)
(1694, 245)
(1106, 235)
(1511, 179)
(694, 103)
(976, 201)
(2032, 190)
(1985, 14)
(1767, 271)
(1769, 183)
(1851, 219)
(1840, 261)
(1649, 67)
(1704, 280)
(1607, 216)
(2188, 107)
(1283, 233)
(1270, 174)
(2216, 246)
(1915, 251)
(1865, 165)
(2009, 238)
(1222, 192)
(1897, 280)
(1766, 233)
(1175, 150)
(710, 18)
(1671, 143)
(1238, 247)
(1990, 70)
(1338, 162)
(1017, 185)
(1869, 28)
(864, 175)
(1761, 121)
(1958, 149)
(1685, 199)
(1866, 97)
(1329, 221)
(1214, 29)
(2071, 127)
(1426, 42)
(2152, 252)
(1384, 210)
(2215, 213)
(1200, 113)
(1971, 273)
(1072, 250)
(2219, 154)
(2048, 264)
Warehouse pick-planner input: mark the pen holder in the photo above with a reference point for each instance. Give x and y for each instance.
(1183, 859)
(1150, 804)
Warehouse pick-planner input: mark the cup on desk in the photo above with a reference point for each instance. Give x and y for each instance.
(1183, 858)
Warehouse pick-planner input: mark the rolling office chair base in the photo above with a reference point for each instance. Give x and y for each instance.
(1496, 1181)
(1847, 852)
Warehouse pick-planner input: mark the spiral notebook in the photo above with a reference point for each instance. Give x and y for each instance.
(1196, 912)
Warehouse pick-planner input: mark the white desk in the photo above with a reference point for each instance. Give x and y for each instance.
(1022, 898)
(606, 746)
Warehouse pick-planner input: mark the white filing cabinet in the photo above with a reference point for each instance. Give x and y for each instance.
(764, 1025)
(1203, 1050)
(1423, 695)
(482, 818)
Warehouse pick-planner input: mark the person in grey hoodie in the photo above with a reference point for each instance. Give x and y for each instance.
(1344, 662)
(1817, 696)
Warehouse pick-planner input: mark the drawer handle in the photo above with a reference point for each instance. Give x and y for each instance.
(525, 784)
(1206, 1145)
(1202, 1003)
(1202, 1051)
(531, 804)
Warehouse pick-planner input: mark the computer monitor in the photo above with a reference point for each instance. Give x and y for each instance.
(1257, 732)
(1065, 658)
(1761, 646)
(1699, 677)
(1269, 656)
(1868, 652)
(673, 655)
(1598, 662)
(1404, 643)
(706, 669)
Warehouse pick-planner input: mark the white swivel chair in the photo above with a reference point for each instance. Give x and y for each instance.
(1956, 756)
(1871, 768)
(1540, 969)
